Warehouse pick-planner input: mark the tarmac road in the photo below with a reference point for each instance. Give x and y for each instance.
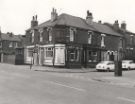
(21, 86)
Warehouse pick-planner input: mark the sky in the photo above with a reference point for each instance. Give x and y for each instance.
(16, 15)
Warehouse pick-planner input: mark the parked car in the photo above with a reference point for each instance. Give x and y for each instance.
(105, 65)
(128, 64)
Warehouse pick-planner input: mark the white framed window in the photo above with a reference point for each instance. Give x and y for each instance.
(90, 33)
(103, 40)
(72, 34)
(32, 35)
(49, 52)
(49, 29)
(11, 44)
(41, 35)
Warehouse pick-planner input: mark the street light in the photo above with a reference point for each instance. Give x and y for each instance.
(118, 63)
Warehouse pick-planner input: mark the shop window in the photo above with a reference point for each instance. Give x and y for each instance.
(92, 56)
(49, 52)
(74, 55)
(72, 34)
(90, 37)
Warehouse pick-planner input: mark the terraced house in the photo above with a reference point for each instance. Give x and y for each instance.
(8, 43)
(71, 42)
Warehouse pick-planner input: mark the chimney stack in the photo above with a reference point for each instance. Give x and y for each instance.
(54, 15)
(116, 25)
(89, 18)
(100, 22)
(123, 25)
(34, 21)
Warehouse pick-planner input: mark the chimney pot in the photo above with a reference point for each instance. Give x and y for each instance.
(123, 25)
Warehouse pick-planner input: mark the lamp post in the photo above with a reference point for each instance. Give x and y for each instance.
(118, 64)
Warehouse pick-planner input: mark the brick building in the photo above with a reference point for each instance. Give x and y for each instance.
(70, 41)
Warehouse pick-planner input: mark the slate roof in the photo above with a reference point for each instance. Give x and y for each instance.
(8, 37)
(69, 20)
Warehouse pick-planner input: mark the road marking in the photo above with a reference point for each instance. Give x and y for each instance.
(71, 87)
(126, 99)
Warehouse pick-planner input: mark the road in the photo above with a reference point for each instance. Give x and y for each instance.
(21, 86)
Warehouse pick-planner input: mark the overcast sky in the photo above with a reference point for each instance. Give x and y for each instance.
(15, 15)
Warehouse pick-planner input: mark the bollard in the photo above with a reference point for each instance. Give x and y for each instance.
(118, 68)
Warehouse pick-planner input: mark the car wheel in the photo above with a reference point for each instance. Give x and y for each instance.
(128, 68)
(108, 69)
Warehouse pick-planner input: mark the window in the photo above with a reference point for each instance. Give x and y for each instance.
(32, 35)
(0, 44)
(74, 55)
(49, 52)
(103, 40)
(90, 37)
(131, 39)
(30, 52)
(41, 35)
(121, 43)
(11, 44)
(49, 29)
(72, 34)
(16, 44)
(92, 56)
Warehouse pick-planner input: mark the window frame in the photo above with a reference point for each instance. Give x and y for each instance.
(90, 33)
(72, 33)
(47, 50)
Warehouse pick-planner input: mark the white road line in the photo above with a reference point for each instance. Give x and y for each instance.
(126, 99)
(57, 83)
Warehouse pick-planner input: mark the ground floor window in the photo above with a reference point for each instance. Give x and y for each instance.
(49, 52)
(74, 55)
(92, 56)
(30, 52)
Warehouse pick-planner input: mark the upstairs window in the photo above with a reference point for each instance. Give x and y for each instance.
(11, 44)
(49, 29)
(103, 40)
(16, 44)
(131, 39)
(90, 33)
(0, 44)
(121, 43)
(72, 34)
(32, 35)
(41, 35)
